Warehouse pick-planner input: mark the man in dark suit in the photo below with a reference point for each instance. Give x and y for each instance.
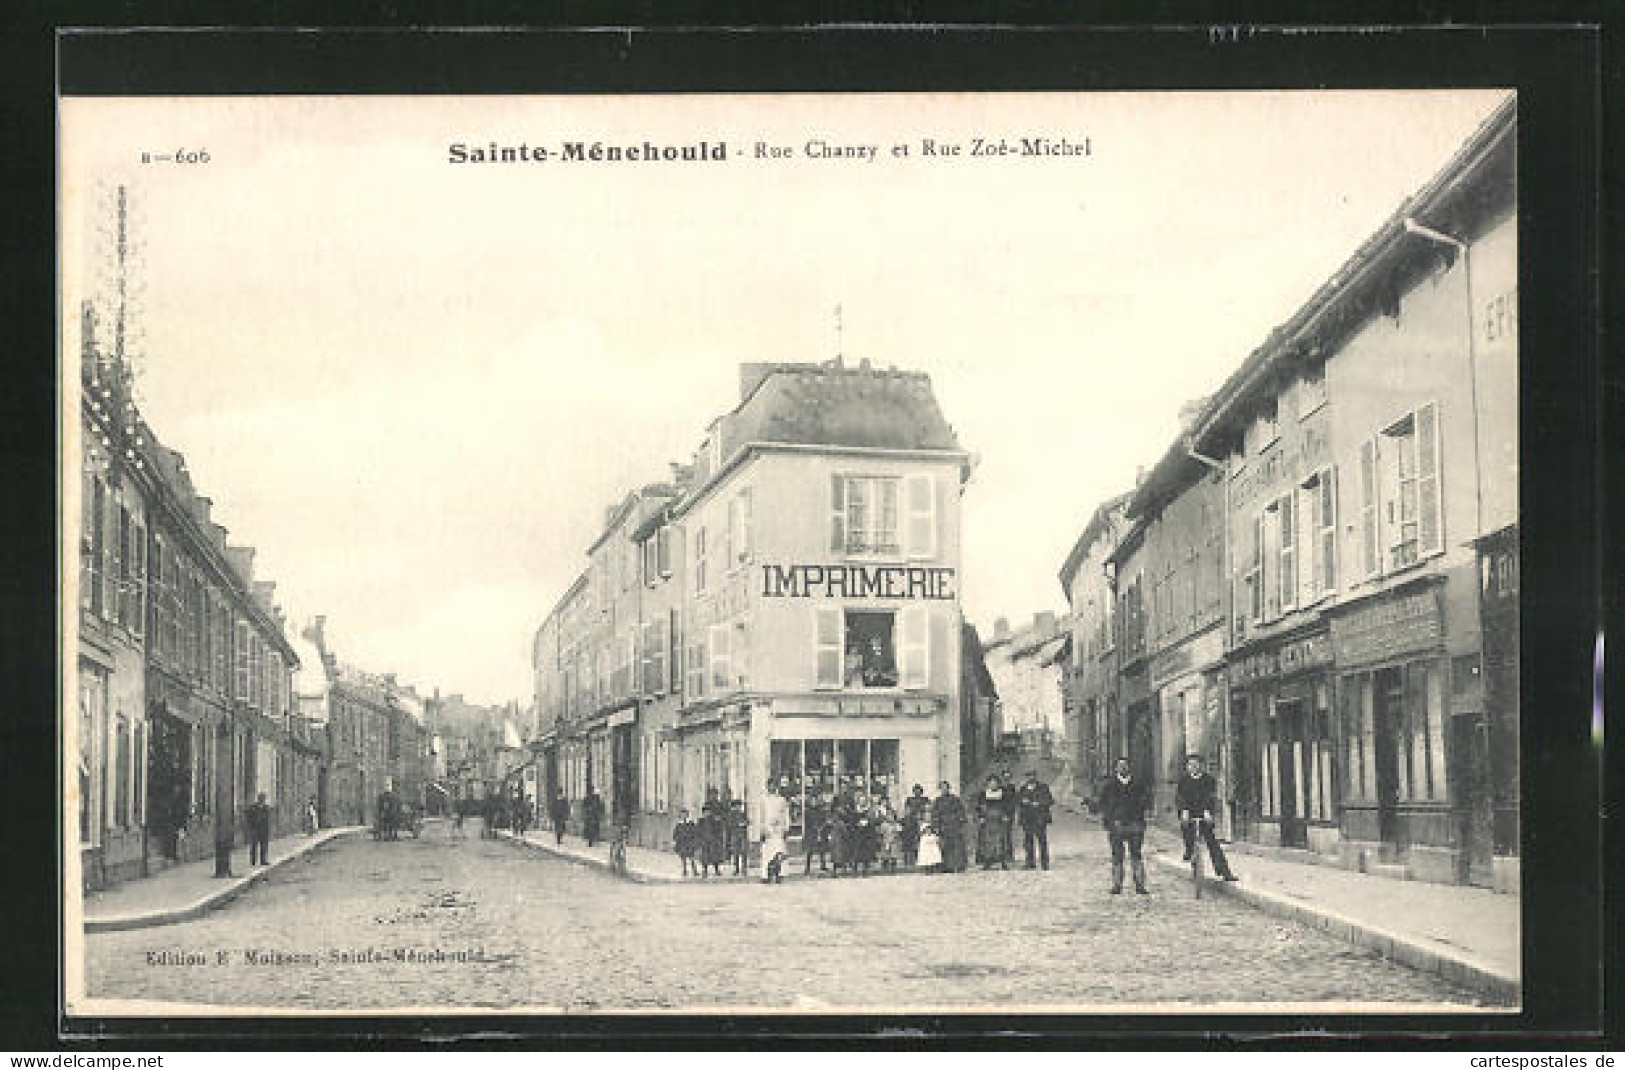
(1033, 803)
(1197, 799)
(259, 832)
(1123, 802)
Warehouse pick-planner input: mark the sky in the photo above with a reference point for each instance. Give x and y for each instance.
(414, 385)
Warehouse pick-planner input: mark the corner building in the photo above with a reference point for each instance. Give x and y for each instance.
(798, 613)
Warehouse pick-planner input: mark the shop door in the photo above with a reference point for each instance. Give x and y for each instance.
(623, 793)
(1389, 699)
(1244, 782)
(1289, 736)
(1470, 772)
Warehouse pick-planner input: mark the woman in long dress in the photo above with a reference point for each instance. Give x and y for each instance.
(993, 825)
(948, 818)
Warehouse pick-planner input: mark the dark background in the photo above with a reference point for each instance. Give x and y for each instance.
(1569, 472)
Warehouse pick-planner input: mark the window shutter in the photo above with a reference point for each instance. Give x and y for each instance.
(1431, 535)
(837, 515)
(663, 549)
(140, 580)
(745, 544)
(721, 678)
(828, 648)
(1368, 507)
(110, 556)
(920, 531)
(915, 642)
(674, 648)
(730, 536)
(1289, 551)
(1326, 531)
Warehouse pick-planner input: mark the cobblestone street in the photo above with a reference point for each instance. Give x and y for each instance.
(546, 933)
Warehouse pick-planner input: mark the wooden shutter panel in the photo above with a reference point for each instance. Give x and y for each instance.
(837, 516)
(1369, 557)
(721, 677)
(674, 650)
(747, 524)
(827, 648)
(915, 642)
(920, 524)
(1430, 530)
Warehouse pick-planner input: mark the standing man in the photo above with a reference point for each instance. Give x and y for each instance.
(259, 831)
(592, 817)
(1197, 798)
(949, 817)
(1034, 802)
(559, 812)
(1123, 802)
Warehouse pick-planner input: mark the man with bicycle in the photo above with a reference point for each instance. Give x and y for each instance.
(1197, 799)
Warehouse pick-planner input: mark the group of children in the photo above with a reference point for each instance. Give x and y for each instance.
(719, 836)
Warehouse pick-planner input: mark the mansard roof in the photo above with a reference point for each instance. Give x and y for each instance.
(839, 405)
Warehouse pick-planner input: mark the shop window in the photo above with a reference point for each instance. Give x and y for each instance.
(864, 515)
(92, 732)
(1423, 758)
(1321, 800)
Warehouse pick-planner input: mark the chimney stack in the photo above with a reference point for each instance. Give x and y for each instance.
(1001, 629)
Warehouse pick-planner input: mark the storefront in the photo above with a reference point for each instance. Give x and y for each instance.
(1393, 676)
(1284, 741)
(1187, 683)
(1498, 609)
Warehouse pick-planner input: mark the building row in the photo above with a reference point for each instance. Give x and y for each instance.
(1316, 585)
(193, 700)
(785, 607)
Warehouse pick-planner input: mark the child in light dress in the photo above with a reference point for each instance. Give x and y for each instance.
(930, 856)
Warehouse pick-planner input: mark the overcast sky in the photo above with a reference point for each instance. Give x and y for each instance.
(414, 386)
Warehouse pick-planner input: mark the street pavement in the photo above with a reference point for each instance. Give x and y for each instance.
(470, 923)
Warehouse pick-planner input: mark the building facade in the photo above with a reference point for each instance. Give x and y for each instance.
(786, 609)
(1091, 693)
(1356, 482)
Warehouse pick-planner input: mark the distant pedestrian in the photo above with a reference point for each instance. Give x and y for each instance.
(865, 835)
(312, 822)
(928, 854)
(890, 829)
(992, 825)
(842, 835)
(1197, 799)
(948, 818)
(685, 840)
(916, 815)
(775, 827)
(558, 811)
(259, 831)
(1034, 804)
(457, 813)
(713, 834)
(738, 835)
(1123, 802)
(815, 833)
(592, 817)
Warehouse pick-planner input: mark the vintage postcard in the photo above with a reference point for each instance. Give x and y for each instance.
(905, 553)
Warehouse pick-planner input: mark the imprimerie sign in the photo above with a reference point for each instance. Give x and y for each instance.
(857, 581)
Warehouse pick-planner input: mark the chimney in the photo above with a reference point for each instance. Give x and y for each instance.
(1001, 629)
(242, 559)
(751, 376)
(316, 632)
(1188, 413)
(1044, 623)
(1139, 475)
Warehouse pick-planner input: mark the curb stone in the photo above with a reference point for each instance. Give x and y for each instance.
(1458, 969)
(191, 911)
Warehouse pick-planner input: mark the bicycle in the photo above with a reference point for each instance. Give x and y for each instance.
(1198, 850)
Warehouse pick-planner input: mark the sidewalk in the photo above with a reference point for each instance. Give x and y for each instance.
(643, 865)
(187, 891)
(1471, 936)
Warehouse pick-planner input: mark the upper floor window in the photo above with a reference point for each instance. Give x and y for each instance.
(699, 560)
(741, 528)
(872, 648)
(883, 515)
(1400, 495)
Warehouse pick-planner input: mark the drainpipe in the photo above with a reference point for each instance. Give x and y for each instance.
(1421, 231)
